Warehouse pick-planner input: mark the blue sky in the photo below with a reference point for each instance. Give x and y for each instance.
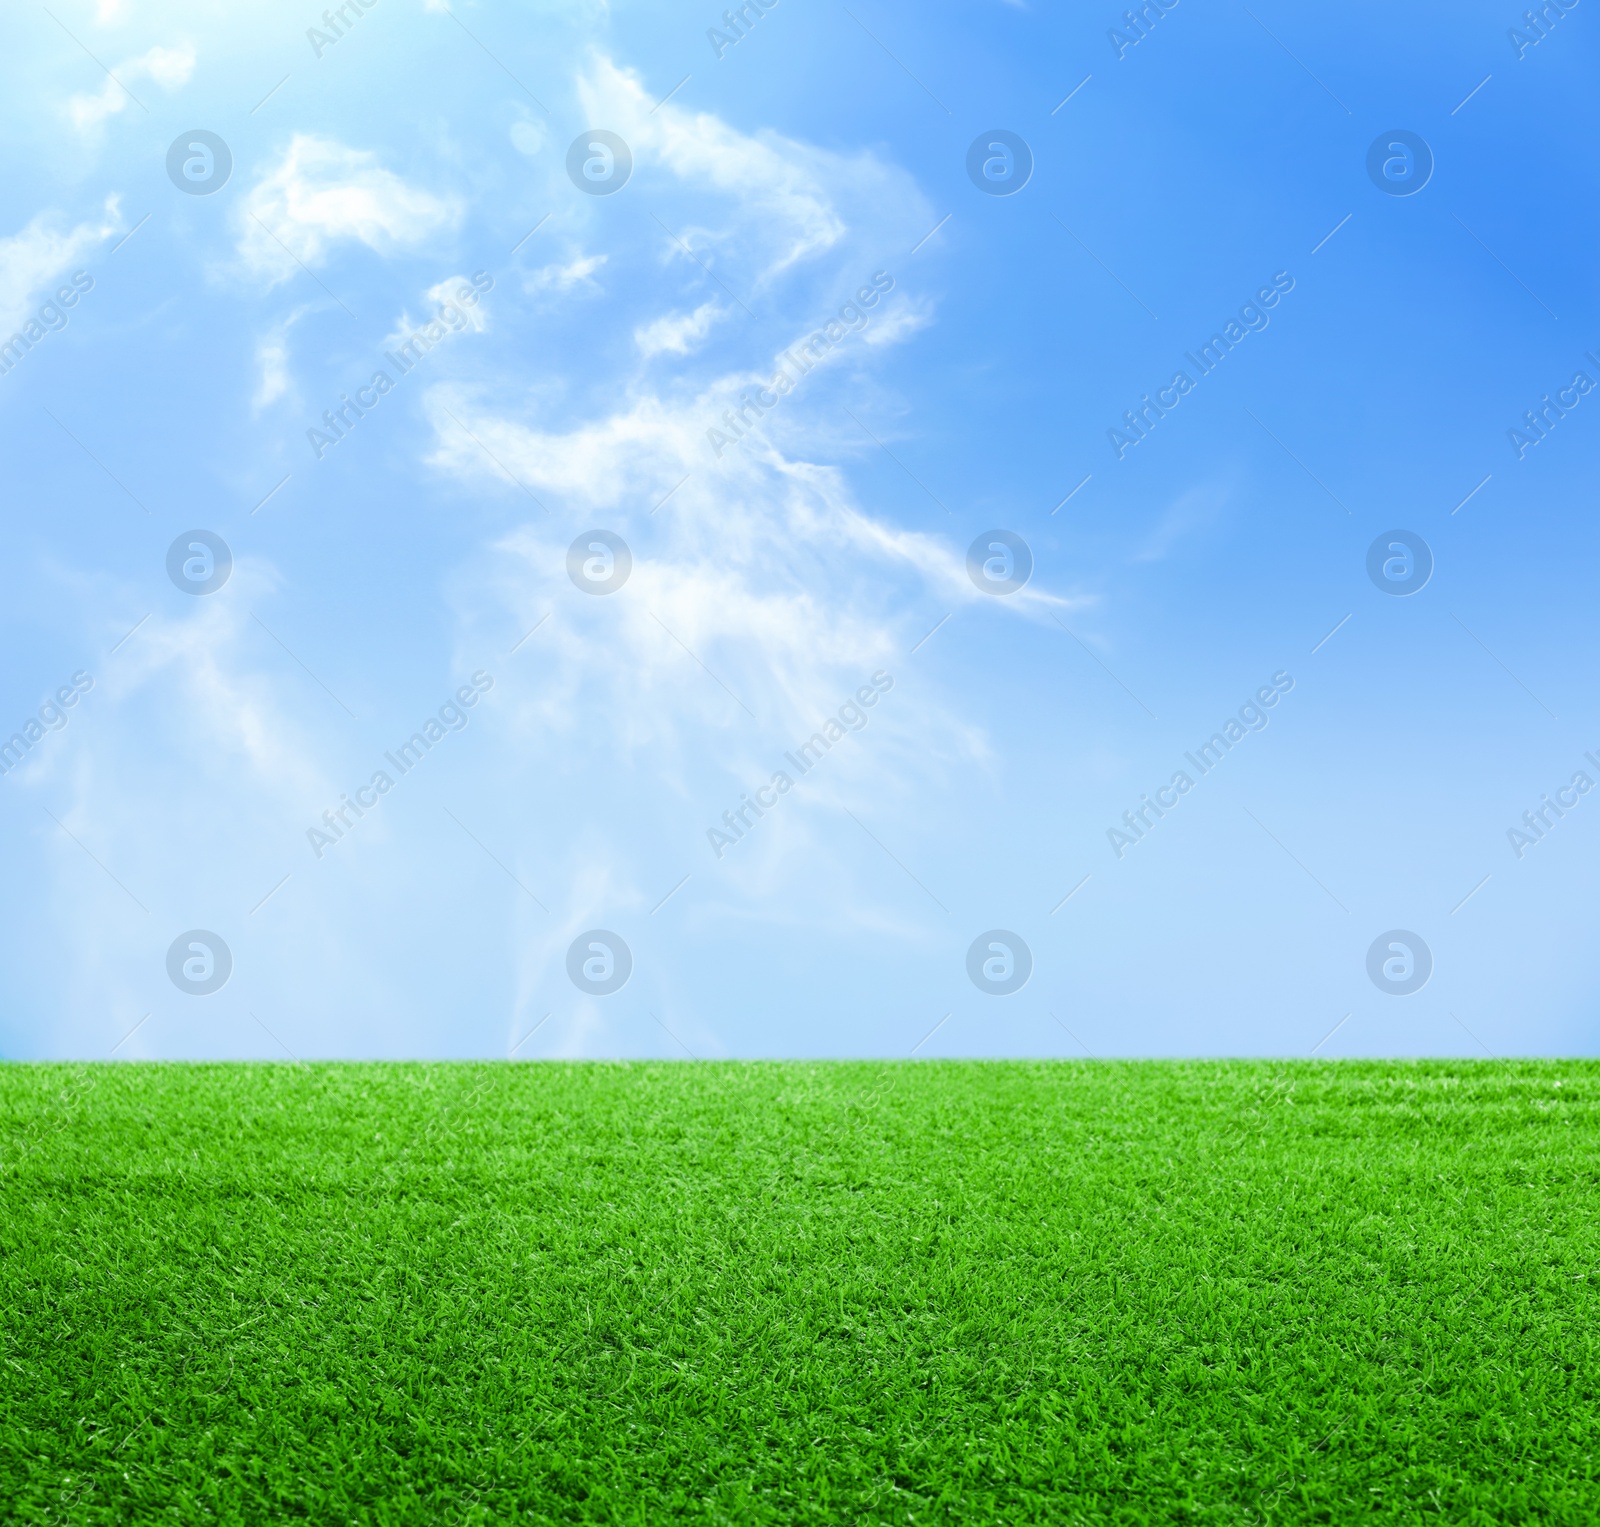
(579, 358)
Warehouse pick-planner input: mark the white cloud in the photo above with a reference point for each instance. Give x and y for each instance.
(208, 695)
(563, 278)
(446, 315)
(169, 68)
(761, 597)
(323, 192)
(1193, 512)
(794, 201)
(898, 323)
(762, 566)
(32, 259)
(762, 557)
(676, 333)
(526, 138)
(272, 357)
(220, 699)
(448, 293)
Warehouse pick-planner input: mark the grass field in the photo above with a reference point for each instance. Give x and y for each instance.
(800, 1293)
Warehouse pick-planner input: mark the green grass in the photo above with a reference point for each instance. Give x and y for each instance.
(800, 1293)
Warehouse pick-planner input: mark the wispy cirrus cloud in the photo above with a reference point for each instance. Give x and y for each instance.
(322, 193)
(676, 333)
(170, 68)
(797, 201)
(32, 258)
(763, 564)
